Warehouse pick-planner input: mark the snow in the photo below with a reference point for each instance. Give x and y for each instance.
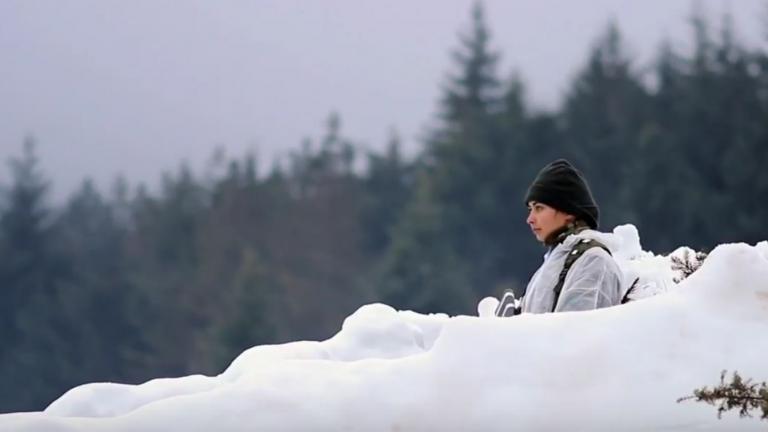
(620, 368)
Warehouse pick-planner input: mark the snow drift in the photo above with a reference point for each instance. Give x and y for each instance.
(620, 368)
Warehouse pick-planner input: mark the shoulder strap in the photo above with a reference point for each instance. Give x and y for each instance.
(578, 250)
(632, 287)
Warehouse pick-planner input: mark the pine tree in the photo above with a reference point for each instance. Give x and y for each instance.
(603, 115)
(99, 300)
(387, 188)
(465, 157)
(316, 242)
(32, 273)
(25, 241)
(474, 90)
(453, 242)
(247, 317)
(421, 271)
(162, 260)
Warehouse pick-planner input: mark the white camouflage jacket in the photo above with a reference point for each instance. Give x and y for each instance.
(594, 280)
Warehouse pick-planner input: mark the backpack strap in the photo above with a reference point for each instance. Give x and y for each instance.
(578, 250)
(632, 287)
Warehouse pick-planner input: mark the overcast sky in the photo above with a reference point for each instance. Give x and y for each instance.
(135, 87)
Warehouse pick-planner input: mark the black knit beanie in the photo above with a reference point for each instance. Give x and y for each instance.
(562, 187)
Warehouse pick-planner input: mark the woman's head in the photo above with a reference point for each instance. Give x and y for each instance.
(562, 188)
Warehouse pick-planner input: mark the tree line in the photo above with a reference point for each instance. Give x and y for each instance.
(135, 284)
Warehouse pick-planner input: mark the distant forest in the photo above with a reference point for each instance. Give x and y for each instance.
(131, 285)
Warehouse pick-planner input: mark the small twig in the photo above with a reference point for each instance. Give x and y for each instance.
(688, 264)
(741, 394)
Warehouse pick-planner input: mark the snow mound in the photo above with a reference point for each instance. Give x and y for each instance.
(620, 368)
(111, 399)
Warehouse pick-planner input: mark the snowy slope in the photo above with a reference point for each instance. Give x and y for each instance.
(620, 368)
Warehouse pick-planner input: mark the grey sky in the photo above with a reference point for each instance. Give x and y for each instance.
(135, 87)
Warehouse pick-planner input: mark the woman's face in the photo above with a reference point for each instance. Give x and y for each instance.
(544, 220)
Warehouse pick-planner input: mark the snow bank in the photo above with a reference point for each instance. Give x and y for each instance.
(620, 368)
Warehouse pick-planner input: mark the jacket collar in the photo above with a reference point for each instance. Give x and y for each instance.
(560, 235)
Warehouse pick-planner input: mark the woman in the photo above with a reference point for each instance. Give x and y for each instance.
(563, 216)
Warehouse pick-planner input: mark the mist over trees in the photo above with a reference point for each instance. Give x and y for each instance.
(131, 285)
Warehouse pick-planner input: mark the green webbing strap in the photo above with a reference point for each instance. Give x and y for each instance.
(578, 250)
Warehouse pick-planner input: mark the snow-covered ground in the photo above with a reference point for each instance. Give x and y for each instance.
(621, 368)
